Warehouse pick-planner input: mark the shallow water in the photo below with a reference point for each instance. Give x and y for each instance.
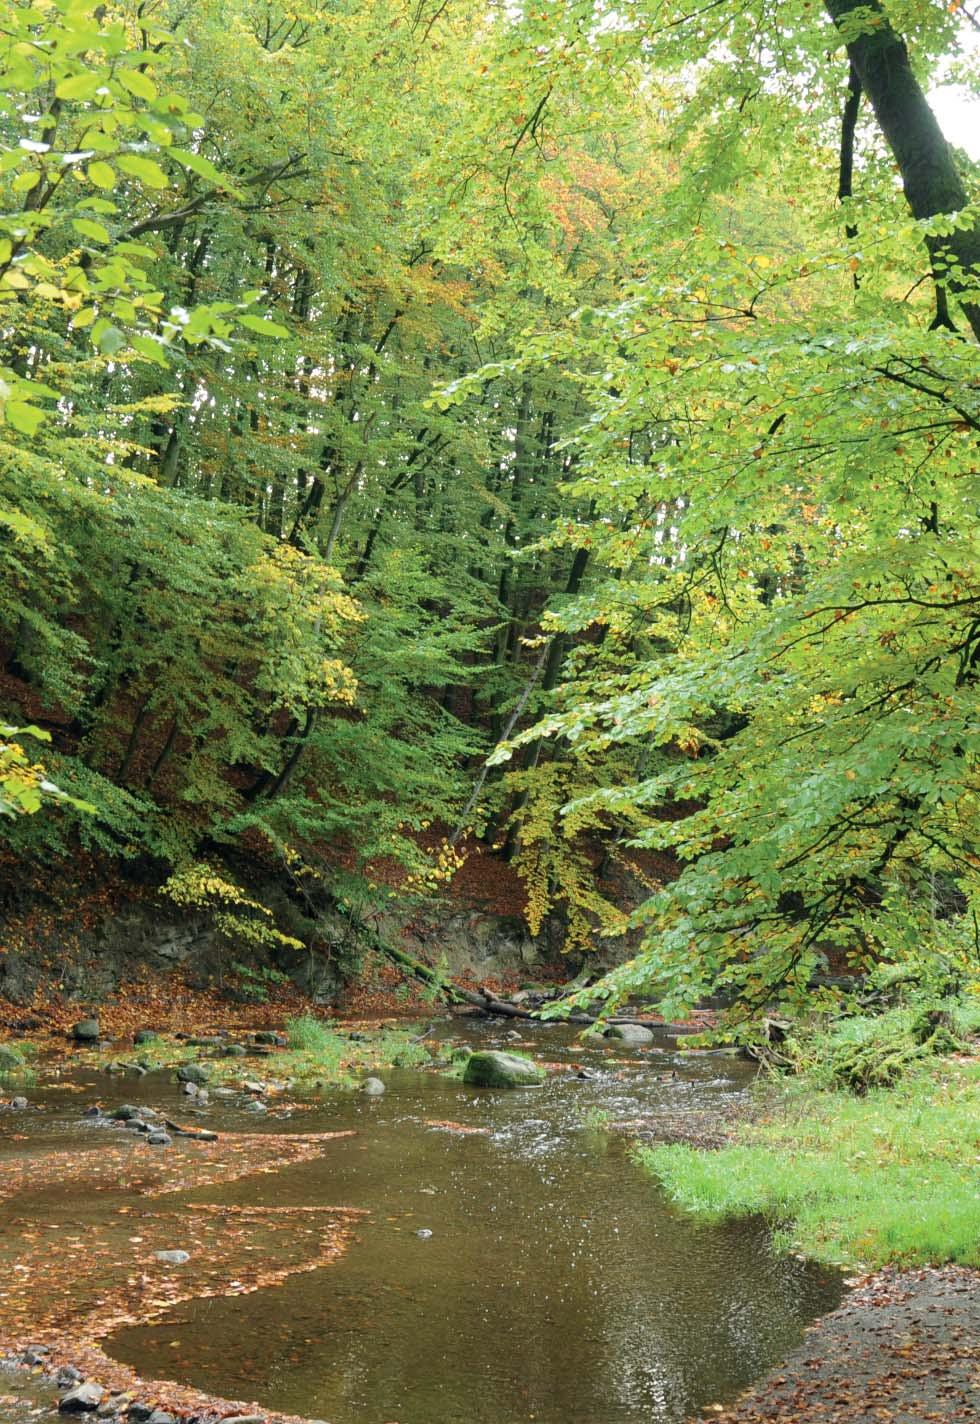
(557, 1285)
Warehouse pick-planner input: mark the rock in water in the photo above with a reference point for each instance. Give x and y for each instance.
(173, 1258)
(629, 1033)
(502, 1070)
(159, 1139)
(373, 1087)
(18, 1104)
(191, 1089)
(85, 1031)
(82, 1400)
(194, 1073)
(254, 1106)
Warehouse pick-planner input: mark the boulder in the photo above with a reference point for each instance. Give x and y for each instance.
(81, 1400)
(85, 1031)
(194, 1073)
(145, 1035)
(127, 1112)
(629, 1033)
(373, 1087)
(18, 1104)
(490, 1069)
(159, 1139)
(10, 1059)
(234, 1050)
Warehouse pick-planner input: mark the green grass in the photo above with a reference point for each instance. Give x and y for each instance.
(310, 1035)
(891, 1176)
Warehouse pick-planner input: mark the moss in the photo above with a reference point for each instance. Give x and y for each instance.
(502, 1070)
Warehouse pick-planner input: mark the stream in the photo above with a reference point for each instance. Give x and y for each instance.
(551, 1281)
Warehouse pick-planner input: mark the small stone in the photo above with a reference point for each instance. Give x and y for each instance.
(125, 1112)
(190, 1089)
(85, 1031)
(202, 1095)
(251, 1086)
(224, 1092)
(254, 1106)
(18, 1104)
(35, 1355)
(93, 1111)
(159, 1139)
(514, 1036)
(68, 1375)
(234, 1050)
(160, 1416)
(265, 1035)
(136, 1124)
(173, 1258)
(373, 1087)
(139, 1412)
(108, 1409)
(194, 1073)
(423, 1233)
(82, 1400)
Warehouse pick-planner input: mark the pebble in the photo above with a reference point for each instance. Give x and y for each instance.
(67, 1375)
(159, 1139)
(172, 1258)
(18, 1104)
(373, 1087)
(254, 1106)
(190, 1089)
(423, 1233)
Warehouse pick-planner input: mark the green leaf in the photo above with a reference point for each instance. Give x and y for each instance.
(87, 228)
(263, 326)
(101, 174)
(80, 86)
(23, 417)
(140, 85)
(145, 169)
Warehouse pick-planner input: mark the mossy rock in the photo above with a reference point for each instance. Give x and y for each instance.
(10, 1060)
(198, 1073)
(461, 1055)
(629, 1033)
(85, 1031)
(490, 1069)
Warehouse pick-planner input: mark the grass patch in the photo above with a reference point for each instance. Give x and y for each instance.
(891, 1176)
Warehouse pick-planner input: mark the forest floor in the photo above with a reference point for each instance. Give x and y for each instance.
(904, 1348)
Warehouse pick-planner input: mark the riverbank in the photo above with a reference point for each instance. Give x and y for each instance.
(903, 1347)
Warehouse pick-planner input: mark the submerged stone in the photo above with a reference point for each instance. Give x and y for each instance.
(490, 1069)
(373, 1087)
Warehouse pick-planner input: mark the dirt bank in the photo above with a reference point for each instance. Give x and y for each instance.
(904, 1348)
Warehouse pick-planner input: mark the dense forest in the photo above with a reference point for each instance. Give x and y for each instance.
(545, 429)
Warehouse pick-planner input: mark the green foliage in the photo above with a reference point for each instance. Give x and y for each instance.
(254, 981)
(309, 1035)
(872, 1051)
(887, 1177)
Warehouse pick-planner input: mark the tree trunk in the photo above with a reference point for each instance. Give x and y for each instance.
(925, 160)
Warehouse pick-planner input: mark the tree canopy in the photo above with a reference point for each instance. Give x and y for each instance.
(552, 422)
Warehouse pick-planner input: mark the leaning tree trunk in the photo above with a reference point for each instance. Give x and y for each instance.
(932, 182)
